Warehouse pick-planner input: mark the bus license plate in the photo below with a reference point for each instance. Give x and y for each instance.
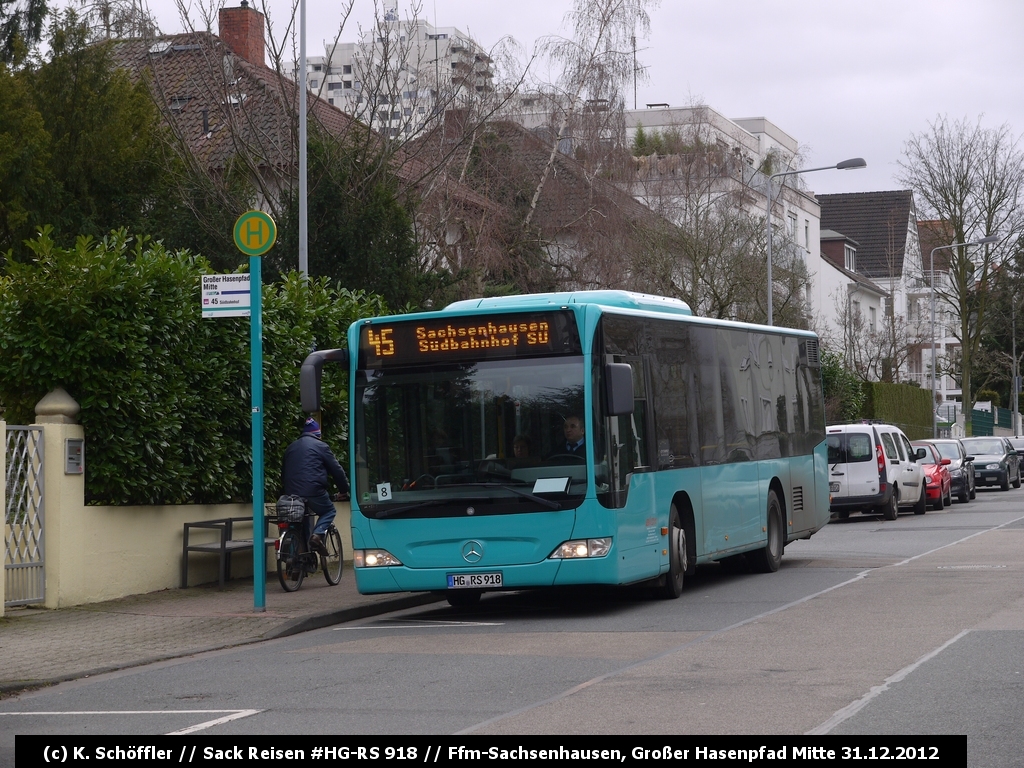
(473, 580)
(833, 487)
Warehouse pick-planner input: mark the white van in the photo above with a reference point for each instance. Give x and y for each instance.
(873, 469)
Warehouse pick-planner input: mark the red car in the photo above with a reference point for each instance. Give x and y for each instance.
(938, 484)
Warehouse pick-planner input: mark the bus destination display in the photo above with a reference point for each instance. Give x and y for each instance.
(460, 339)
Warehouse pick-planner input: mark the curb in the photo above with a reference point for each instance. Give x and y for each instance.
(343, 615)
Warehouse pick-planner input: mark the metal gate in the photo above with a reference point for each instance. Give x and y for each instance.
(23, 529)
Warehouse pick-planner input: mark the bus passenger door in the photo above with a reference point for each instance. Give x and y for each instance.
(630, 473)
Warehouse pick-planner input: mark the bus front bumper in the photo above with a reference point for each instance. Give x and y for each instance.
(548, 573)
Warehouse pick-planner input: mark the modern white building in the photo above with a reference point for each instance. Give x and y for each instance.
(756, 148)
(401, 75)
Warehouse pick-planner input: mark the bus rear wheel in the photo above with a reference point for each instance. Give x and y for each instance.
(767, 560)
(677, 564)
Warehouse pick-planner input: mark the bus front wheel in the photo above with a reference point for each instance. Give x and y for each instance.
(673, 584)
(767, 560)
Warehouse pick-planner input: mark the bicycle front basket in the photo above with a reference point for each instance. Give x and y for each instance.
(291, 509)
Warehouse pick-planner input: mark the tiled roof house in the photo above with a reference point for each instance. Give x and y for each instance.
(591, 230)
(220, 98)
(882, 230)
(884, 225)
(226, 106)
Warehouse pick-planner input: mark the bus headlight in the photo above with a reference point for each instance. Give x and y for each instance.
(582, 548)
(373, 558)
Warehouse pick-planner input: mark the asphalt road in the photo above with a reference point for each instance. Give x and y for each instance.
(914, 626)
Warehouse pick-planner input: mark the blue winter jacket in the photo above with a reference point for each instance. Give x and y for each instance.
(307, 468)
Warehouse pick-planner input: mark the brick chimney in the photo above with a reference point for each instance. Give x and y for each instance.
(241, 29)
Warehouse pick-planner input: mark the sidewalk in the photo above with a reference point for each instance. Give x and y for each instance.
(42, 647)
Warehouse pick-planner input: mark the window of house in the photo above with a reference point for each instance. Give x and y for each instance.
(346, 69)
(807, 235)
(850, 257)
(314, 83)
(872, 318)
(791, 225)
(856, 309)
(348, 85)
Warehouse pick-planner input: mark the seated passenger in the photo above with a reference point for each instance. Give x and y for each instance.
(521, 453)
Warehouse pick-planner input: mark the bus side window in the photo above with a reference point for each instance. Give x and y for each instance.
(710, 420)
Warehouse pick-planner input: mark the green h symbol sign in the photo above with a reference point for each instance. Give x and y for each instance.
(255, 233)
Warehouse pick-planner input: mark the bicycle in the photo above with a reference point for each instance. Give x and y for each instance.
(294, 559)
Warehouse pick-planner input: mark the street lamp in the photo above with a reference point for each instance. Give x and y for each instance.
(303, 169)
(846, 165)
(931, 269)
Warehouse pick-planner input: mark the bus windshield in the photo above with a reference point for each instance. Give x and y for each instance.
(468, 438)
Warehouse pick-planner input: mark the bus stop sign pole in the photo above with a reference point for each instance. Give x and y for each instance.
(255, 233)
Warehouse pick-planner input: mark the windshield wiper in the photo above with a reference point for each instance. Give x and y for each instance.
(525, 494)
(392, 511)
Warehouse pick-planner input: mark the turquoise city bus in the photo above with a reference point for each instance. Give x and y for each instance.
(704, 440)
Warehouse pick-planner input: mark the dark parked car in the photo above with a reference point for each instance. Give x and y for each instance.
(961, 467)
(995, 461)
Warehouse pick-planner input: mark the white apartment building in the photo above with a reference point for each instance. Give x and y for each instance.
(795, 212)
(401, 74)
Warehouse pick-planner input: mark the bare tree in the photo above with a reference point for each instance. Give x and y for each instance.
(707, 190)
(873, 354)
(108, 19)
(970, 179)
(595, 64)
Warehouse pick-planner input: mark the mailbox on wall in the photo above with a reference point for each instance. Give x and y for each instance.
(74, 456)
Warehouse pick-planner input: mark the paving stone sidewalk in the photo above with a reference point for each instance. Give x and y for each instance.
(43, 646)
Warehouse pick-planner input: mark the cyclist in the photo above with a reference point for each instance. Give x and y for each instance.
(307, 463)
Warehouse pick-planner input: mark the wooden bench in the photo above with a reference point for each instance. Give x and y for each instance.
(223, 547)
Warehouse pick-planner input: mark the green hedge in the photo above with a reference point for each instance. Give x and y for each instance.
(165, 394)
(908, 407)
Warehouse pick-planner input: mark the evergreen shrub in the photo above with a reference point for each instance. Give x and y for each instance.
(165, 394)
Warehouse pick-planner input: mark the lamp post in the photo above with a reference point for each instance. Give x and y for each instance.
(846, 165)
(303, 106)
(931, 269)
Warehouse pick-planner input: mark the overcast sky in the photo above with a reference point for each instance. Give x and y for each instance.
(845, 79)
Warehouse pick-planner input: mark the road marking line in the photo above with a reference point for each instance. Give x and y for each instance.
(715, 633)
(131, 712)
(851, 709)
(232, 714)
(210, 723)
(421, 624)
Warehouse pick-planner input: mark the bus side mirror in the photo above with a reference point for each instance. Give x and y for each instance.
(309, 376)
(618, 379)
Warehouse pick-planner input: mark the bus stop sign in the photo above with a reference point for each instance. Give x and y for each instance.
(255, 233)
